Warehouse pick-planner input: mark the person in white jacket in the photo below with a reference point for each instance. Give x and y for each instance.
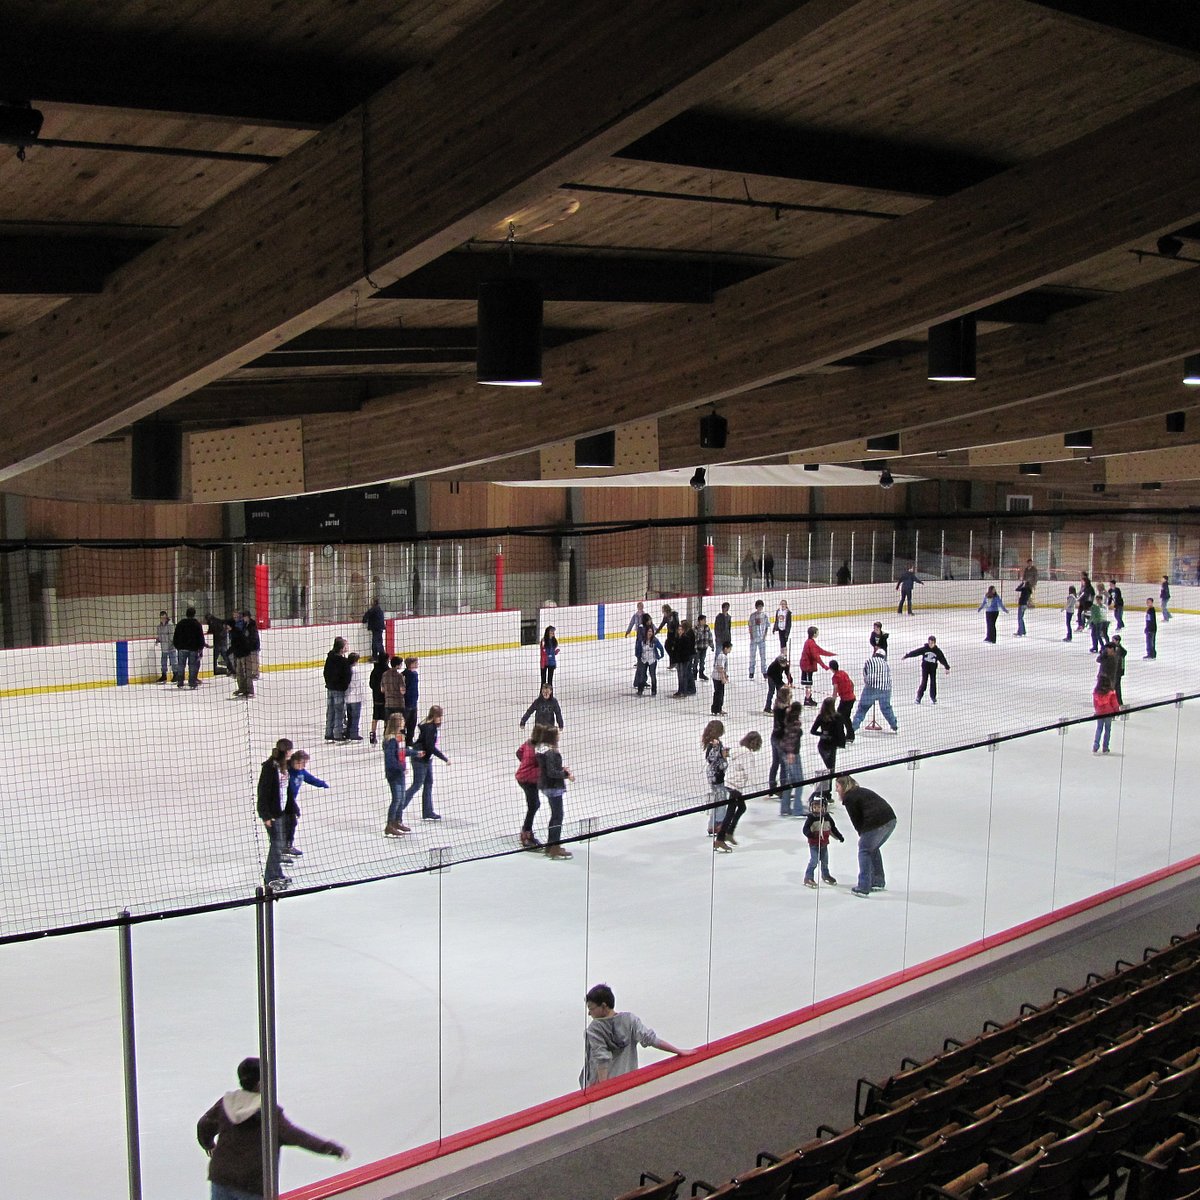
(737, 783)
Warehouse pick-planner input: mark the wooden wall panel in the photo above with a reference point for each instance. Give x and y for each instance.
(68, 520)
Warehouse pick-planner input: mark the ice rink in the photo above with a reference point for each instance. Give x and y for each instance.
(414, 1007)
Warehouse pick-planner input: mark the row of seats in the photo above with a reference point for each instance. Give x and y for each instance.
(1084, 1096)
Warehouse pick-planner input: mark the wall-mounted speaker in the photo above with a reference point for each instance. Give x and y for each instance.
(713, 431)
(156, 461)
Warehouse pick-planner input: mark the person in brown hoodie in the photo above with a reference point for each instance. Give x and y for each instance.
(231, 1135)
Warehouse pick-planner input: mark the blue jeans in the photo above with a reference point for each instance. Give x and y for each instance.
(817, 853)
(277, 833)
(189, 665)
(1166, 616)
(776, 763)
(422, 782)
(791, 775)
(1070, 634)
(221, 1192)
(716, 815)
(335, 715)
(1020, 620)
(1103, 727)
(870, 861)
(761, 649)
(872, 695)
(396, 808)
(376, 642)
(353, 712)
(168, 658)
(646, 671)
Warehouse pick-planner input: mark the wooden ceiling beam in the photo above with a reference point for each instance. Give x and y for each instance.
(534, 91)
(1170, 24)
(1006, 235)
(1103, 341)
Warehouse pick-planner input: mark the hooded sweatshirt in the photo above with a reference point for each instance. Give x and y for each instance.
(231, 1131)
(613, 1041)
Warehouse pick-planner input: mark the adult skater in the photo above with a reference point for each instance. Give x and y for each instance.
(378, 699)
(931, 657)
(783, 701)
(843, 689)
(356, 694)
(395, 760)
(874, 821)
(723, 626)
(1098, 623)
(529, 771)
(1108, 664)
(1030, 576)
(242, 643)
(1116, 603)
(749, 571)
(704, 643)
(412, 694)
(782, 625)
(1069, 611)
(1164, 597)
(271, 803)
(424, 750)
(810, 659)
(737, 784)
(231, 1134)
(545, 709)
(682, 656)
(298, 774)
(1106, 705)
(720, 677)
(1121, 655)
(552, 782)
(768, 569)
(777, 672)
(792, 769)
(218, 633)
(830, 732)
(1087, 594)
(878, 638)
(647, 668)
(991, 606)
(548, 654)
(843, 573)
(612, 1038)
(337, 673)
(904, 585)
(1024, 592)
(877, 689)
(391, 683)
(190, 644)
(635, 622)
(758, 624)
(1152, 627)
(164, 638)
(376, 624)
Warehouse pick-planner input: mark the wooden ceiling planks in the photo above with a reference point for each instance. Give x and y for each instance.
(533, 91)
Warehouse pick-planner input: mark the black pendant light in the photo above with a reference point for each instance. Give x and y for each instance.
(952, 351)
(1191, 370)
(508, 349)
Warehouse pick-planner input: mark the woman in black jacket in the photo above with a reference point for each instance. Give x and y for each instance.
(545, 709)
(830, 731)
(378, 703)
(272, 802)
(682, 653)
(422, 752)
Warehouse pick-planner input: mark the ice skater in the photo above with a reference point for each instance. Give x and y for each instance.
(1024, 595)
(704, 643)
(298, 774)
(783, 701)
(877, 689)
(843, 689)
(548, 654)
(819, 827)
(931, 657)
(991, 606)
(1164, 598)
(1069, 611)
(271, 803)
(394, 766)
(647, 668)
(904, 585)
(777, 672)
(1152, 627)
(723, 626)
(1116, 603)
(164, 638)
(874, 821)
(830, 732)
(612, 1038)
(378, 700)
(337, 674)
(552, 783)
(737, 784)
(424, 750)
(720, 677)
(355, 695)
(1098, 623)
(1106, 706)
(1087, 594)
(635, 622)
(715, 758)
(758, 625)
(545, 709)
(879, 639)
(810, 659)
(529, 771)
(782, 625)
(792, 769)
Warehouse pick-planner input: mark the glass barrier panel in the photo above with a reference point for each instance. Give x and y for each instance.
(196, 1015)
(513, 978)
(1087, 809)
(1021, 839)
(951, 816)
(1146, 781)
(1185, 812)
(60, 1009)
(357, 994)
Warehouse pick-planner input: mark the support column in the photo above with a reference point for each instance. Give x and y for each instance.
(133, 1146)
(265, 946)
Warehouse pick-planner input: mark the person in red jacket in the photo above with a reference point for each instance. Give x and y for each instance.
(843, 688)
(810, 660)
(528, 772)
(1106, 705)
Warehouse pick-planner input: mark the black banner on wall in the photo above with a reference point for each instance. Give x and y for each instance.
(350, 515)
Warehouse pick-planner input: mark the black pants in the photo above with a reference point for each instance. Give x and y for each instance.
(905, 597)
(548, 676)
(929, 680)
(990, 619)
(845, 711)
(554, 830)
(290, 820)
(532, 804)
(733, 814)
(1151, 639)
(410, 723)
(718, 703)
(827, 749)
(1070, 635)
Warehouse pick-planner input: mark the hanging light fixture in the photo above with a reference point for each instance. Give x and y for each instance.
(1191, 370)
(952, 351)
(508, 348)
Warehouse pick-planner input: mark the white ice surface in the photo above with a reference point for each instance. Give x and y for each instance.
(415, 1007)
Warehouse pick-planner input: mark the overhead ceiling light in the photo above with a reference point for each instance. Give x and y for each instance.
(713, 431)
(812, 466)
(1169, 246)
(698, 482)
(884, 442)
(952, 351)
(597, 451)
(1030, 468)
(1191, 370)
(1176, 422)
(20, 125)
(1081, 439)
(885, 479)
(509, 347)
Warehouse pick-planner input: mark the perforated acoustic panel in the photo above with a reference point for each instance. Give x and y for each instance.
(248, 463)
(1147, 466)
(636, 450)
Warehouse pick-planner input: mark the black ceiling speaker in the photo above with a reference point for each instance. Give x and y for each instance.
(1030, 468)
(1081, 439)
(599, 450)
(713, 431)
(156, 460)
(20, 126)
(1176, 422)
(1097, 488)
(508, 351)
(952, 351)
(884, 442)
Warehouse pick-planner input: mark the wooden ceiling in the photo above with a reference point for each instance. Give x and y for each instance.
(254, 212)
